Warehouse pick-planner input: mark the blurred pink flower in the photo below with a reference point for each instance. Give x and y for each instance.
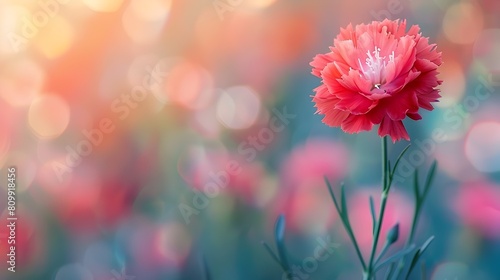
(303, 191)
(306, 210)
(399, 209)
(307, 164)
(30, 240)
(101, 193)
(377, 74)
(478, 206)
(73, 200)
(219, 172)
(158, 245)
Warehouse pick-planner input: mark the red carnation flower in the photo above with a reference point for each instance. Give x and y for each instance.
(377, 74)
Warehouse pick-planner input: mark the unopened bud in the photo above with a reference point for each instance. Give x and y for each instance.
(393, 234)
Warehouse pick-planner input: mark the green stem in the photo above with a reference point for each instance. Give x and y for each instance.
(386, 185)
(385, 164)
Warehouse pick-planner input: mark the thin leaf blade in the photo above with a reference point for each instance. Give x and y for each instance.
(372, 211)
(279, 234)
(206, 270)
(396, 256)
(273, 255)
(416, 186)
(398, 159)
(332, 194)
(418, 254)
(430, 177)
(343, 202)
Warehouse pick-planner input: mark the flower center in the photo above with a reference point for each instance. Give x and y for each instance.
(375, 65)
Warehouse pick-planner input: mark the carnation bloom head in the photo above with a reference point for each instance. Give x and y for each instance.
(377, 74)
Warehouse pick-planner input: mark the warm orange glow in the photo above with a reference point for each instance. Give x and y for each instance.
(462, 23)
(189, 85)
(103, 6)
(454, 91)
(55, 38)
(48, 116)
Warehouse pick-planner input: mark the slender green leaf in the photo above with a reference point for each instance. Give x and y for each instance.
(390, 271)
(430, 177)
(398, 159)
(332, 194)
(206, 270)
(372, 211)
(423, 271)
(279, 235)
(279, 228)
(345, 219)
(426, 244)
(396, 256)
(416, 187)
(418, 254)
(343, 203)
(273, 255)
(414, 261)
